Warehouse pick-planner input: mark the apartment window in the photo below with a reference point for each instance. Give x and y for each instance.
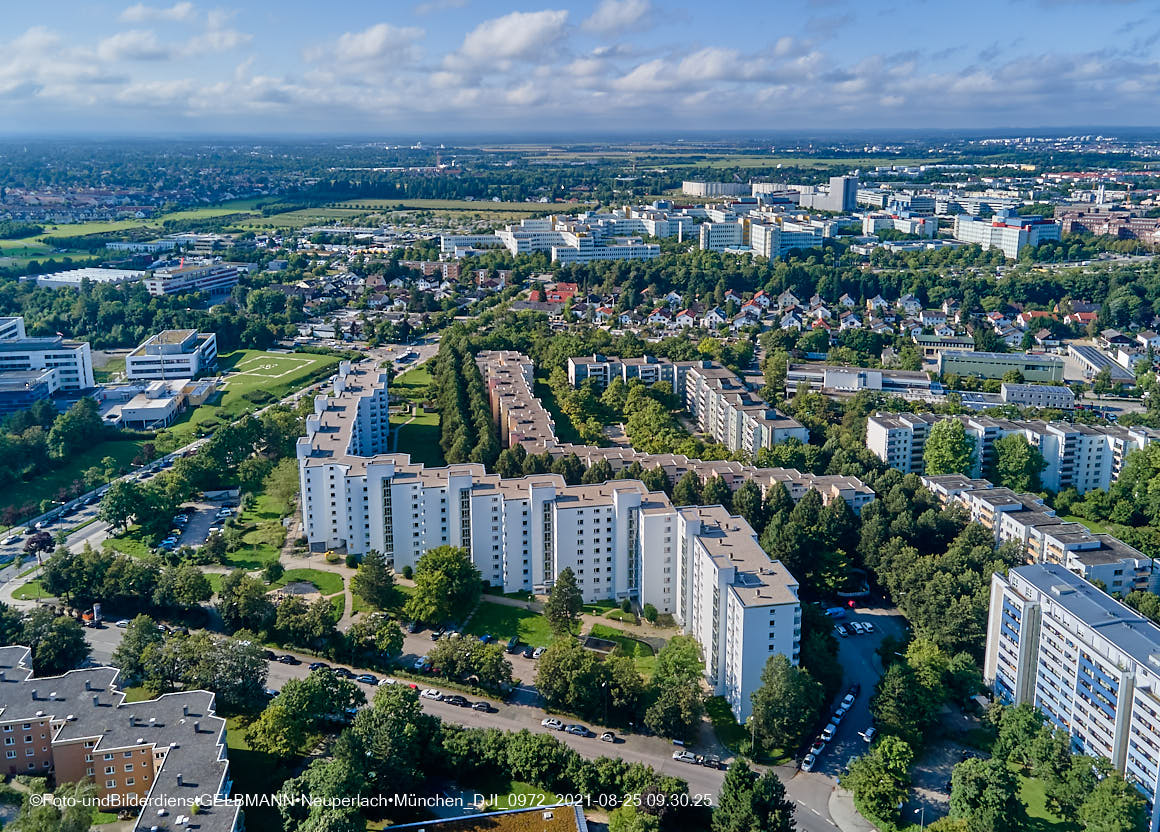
(10, 741)
(11, 755)
(128, 766)
(88, 772)
(129, 781)
(30, 752)
(109, 769)
(109, 756)
(7, 729)
(28, 738)
(110, 784)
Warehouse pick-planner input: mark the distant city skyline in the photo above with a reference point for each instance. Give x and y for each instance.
(454, 67)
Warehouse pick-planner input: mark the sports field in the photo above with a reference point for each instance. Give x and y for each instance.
(251, 379)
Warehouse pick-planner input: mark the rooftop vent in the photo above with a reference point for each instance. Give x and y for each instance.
(40, 713)
(180, 780)
(88, 684)
(547, 815)
(52, 696)
(70, 718)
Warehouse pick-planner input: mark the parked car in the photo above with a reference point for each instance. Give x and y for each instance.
(457, 700)
(539, 651)
(431, 693)
(836, 719)
(288, 659)
(867, 626)
(343, 673)
(841, 711)
(828, 732)
(817, 747)
(318, 666)
(608, 736)
(123, 623)
(270, 693)
(840, 630)
(848, 699)
(684, 756)
(422, 663)
(578, 731)
(711, 761)
(552, 723)
(809, 762)
(529, 652)
(384, 682)
(412, 627)
(869, 734)
(857, 627)
(482, 707)
(513, 644)
(367, 679)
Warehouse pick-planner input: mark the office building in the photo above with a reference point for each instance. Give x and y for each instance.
(1032, 366)
(72, 360)
(73, 278)
(172, 353)
(715, 188)
(933, 346)
(213, 278)
(1088, 662)
(619, 539)
(1006, 231)
(903, 223)
(1078, 456)
(21, 389)
(719, 236)
(1052, 396)
(573, 240)
(1043, 537)
(169, 751)
(839, 196)
(837, 380)
(776, 239)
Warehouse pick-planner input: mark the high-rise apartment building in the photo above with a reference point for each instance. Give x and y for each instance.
(1006, 231)
(1088, 662)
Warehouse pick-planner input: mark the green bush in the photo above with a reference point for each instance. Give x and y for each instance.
(650, 613)
(408, 572)
(352, 561)
(626, 605)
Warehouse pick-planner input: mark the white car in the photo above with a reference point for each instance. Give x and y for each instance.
(867, 626)
(554, 724)
(539, 651)
(684, 757)
(431, 693)
(869, 734)
(857, 628)
(848, 700)
(828, 732)
(123, 623)
(387, 682)
(809, 762)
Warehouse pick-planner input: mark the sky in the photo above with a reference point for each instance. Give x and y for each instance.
(432, 68)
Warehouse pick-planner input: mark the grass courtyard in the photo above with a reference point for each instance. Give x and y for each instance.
(419, 437)
(253, 379)
(503, 622)
(642, 655)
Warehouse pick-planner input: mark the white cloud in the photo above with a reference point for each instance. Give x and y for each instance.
(515, 35)
(141, 13)
(615, 15)
(383, 40)
(135, 44)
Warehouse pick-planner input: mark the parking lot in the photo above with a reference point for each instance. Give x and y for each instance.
(203, 515)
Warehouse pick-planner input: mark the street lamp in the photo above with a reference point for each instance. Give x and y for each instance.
(921, 812)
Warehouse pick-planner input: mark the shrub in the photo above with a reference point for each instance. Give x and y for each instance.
(650, 613)
(352, 561)
(626, 605)
(408, 572)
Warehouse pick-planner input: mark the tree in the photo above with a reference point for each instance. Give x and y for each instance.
(121, 501)
(949, 450)
(299, 709)
(139, 636)
(57, 642)
(1114, 806)
(183, 586)
(676, 712)
(628, 818)
(717, 493)
(71, 811)
(787, 704)
(687, 491)
(375, 637)
(985, 793)
(1016, 464)
(565, 601)
(374, 581)
(569, 677)
(243, 603)
(752, 803)
(747, 502)
(879, 779)
(38, 543)
(446, 584)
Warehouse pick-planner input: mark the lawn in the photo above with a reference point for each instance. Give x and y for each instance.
(516, 794)
(1092, 525)
(641, 653)
(503, 622)
(412, 385)
(264, 376)
(256, 773)
(419, 437)
(113, 365)
(731, 734)
(136, 693)
(30, 591)
(328, 583)
(48, 486)
(1042, 819)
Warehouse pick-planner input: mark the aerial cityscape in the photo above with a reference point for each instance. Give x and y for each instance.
(463, 416)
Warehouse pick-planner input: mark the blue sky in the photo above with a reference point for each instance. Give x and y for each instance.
(444, 67)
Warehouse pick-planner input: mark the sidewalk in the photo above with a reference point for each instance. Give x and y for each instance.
(844, 815)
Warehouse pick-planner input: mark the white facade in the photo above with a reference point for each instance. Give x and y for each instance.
(215, 278)
(619, 539)
(72, 360)
(774, 240)
(575, 240)
(1006, 232)
(715, 188)
(73, 278)
(1051, 396)
(173, 353)
(1088, 662)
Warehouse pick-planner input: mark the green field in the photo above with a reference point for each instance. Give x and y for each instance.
(412, 385)
(642, 654)
(328, 583)
(1033, 794)
(256, 773)
(130, 543)
(48, 486)
(30, 591)
(255, 372)
(300, 219)
(419, 437)
(115, 364)
(503, 622)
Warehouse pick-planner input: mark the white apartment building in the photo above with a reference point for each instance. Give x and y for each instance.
(172, 354)
(1044, 537)
(214, 278)
(726, 410)
(572, 240)
(1078, 456)
(776, 239)
(718, 236)
(619, 539)
(877, 221)
(1047, 396)
(1006, 231)
(1088, 662)
(72, 360)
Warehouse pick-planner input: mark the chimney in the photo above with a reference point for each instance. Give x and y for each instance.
(185, 710)
(196, 727)
(132, 720)
(96, 701)
(34, 694)
(180, 780)
(88, 684)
